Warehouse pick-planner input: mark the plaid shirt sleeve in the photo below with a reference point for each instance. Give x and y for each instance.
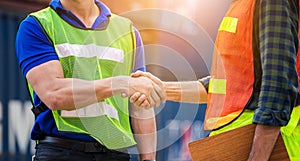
(278, 44)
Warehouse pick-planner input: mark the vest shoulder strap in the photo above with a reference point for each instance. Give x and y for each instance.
(39, 109)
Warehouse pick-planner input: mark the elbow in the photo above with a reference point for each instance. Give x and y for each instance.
(53, 101)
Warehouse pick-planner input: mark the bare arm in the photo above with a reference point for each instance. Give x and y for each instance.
(59, 93)
(264, 140)
(190, 91)
(144, 128)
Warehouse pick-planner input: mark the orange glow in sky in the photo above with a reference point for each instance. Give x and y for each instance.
(176, 28)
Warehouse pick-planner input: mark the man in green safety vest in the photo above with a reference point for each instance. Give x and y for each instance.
(77, 58)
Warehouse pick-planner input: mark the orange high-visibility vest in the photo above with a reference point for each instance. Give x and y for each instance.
(232, 73)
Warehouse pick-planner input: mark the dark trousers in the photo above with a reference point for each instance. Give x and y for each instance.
(52, 152)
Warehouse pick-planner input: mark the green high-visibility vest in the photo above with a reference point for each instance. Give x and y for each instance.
(92, 54)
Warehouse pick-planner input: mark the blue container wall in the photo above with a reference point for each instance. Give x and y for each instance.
(13, 95)
(16, 118)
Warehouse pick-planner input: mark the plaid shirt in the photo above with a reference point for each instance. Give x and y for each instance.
(275, 45)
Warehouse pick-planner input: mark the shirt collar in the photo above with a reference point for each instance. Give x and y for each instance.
(68, 16)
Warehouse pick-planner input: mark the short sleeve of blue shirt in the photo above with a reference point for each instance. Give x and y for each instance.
(32, 46)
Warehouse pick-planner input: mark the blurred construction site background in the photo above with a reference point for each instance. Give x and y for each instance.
(179, 38)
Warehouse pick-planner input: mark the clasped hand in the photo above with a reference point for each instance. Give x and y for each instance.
(147, 90)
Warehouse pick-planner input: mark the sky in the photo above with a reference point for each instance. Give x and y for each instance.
(178, 34)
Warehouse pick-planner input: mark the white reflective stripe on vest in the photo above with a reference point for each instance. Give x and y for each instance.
(90, 50)
(93, 110)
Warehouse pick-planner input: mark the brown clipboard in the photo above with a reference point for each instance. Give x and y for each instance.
(234, 145)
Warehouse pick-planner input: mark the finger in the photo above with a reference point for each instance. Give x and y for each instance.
(145, 104)
(161, 93)
(137, 74)
(134, 97)
(155, 98)
(141, 100)
(151, 101)
(153, 78)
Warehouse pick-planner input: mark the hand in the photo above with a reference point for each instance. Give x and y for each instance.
(144, 93)
(139, 99)
(150, 76)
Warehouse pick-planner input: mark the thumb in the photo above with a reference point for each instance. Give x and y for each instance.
(137, 74)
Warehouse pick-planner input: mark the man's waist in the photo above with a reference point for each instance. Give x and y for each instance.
(78, 145)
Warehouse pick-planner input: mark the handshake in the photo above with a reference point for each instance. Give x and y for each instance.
(145, 90)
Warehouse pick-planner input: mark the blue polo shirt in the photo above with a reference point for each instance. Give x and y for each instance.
(33, 48)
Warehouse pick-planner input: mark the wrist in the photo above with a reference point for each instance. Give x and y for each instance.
(173, 91)
(120, 84)
(205, 82)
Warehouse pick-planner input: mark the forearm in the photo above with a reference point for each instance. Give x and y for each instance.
(77, 93)
(144, 128)
(264, 140)
(69, 93)
(59, 93)
(190, 92)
